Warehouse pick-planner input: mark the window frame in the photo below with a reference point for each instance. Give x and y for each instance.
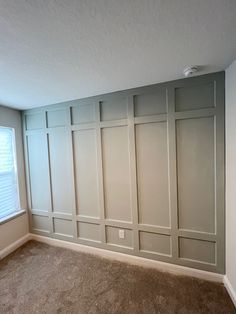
(17, 211)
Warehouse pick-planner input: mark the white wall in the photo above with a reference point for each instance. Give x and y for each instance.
(231, 174)
(18, 227)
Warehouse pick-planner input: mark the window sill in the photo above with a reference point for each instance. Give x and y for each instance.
(12, 216)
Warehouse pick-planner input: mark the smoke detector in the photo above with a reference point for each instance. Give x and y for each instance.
(190, 70)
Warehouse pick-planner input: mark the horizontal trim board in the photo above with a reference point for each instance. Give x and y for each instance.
(40, 212)
(131, 259)
(83, 126)
(88, 219)
(192, 234)
(150, 119)
(154, 229)
(113, 123)
(118, 223)
(195, 113)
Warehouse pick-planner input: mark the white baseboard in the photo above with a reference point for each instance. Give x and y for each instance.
(230, 290)
(15, 245)
(131, 259)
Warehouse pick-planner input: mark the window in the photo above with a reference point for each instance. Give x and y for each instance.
(9, 197)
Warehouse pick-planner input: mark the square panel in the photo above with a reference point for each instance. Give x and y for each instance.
(63, 227)
(154, 243)
(112, 237)
(197, 250)
(34, 121)
(113, 109)
(89, 231)
(194, 97)
(56, 118)
(40, 223)
(83, 113)
(150, 104)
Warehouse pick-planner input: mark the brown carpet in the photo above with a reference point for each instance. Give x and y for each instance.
(38, 278)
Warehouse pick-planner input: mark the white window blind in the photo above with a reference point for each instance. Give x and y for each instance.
(9, 198)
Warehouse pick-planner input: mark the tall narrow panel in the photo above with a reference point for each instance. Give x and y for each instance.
(61, 176)
(86, 172)
(197, 250)
(113, 109)
(39, 171)
(83, 113)
(154, 243)
(194, 97)
(195, 164)
(116, 173)
(150, 104)
(152, 174)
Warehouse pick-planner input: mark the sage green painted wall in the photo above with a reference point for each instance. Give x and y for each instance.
(14, 229)
(149, 161)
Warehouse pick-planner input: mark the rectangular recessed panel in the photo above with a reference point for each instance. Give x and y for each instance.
(150, 104)
(112, 236)
(154, 243)
(113, 109)
(57, 118)
(40, 223)
(195, 167)
(63, 227)
(194, 97)
(34, 121)
(83, 113)
(86, 172)
(89, 231)
(197, 250)
(116, 173)
(61, 172)
(152, 173)
(39, 171)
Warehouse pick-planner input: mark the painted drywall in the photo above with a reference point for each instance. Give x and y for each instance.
(108, 163)
(231, 174)
(14, 229)
(54, 51)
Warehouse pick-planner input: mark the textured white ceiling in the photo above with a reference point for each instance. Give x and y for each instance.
(58, 50)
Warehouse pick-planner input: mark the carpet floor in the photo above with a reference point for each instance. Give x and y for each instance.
(38, 278)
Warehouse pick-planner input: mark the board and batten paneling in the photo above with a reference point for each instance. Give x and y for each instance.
(148, 161)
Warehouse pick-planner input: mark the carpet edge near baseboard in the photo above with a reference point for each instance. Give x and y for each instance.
(130, 259)
(133, 260)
